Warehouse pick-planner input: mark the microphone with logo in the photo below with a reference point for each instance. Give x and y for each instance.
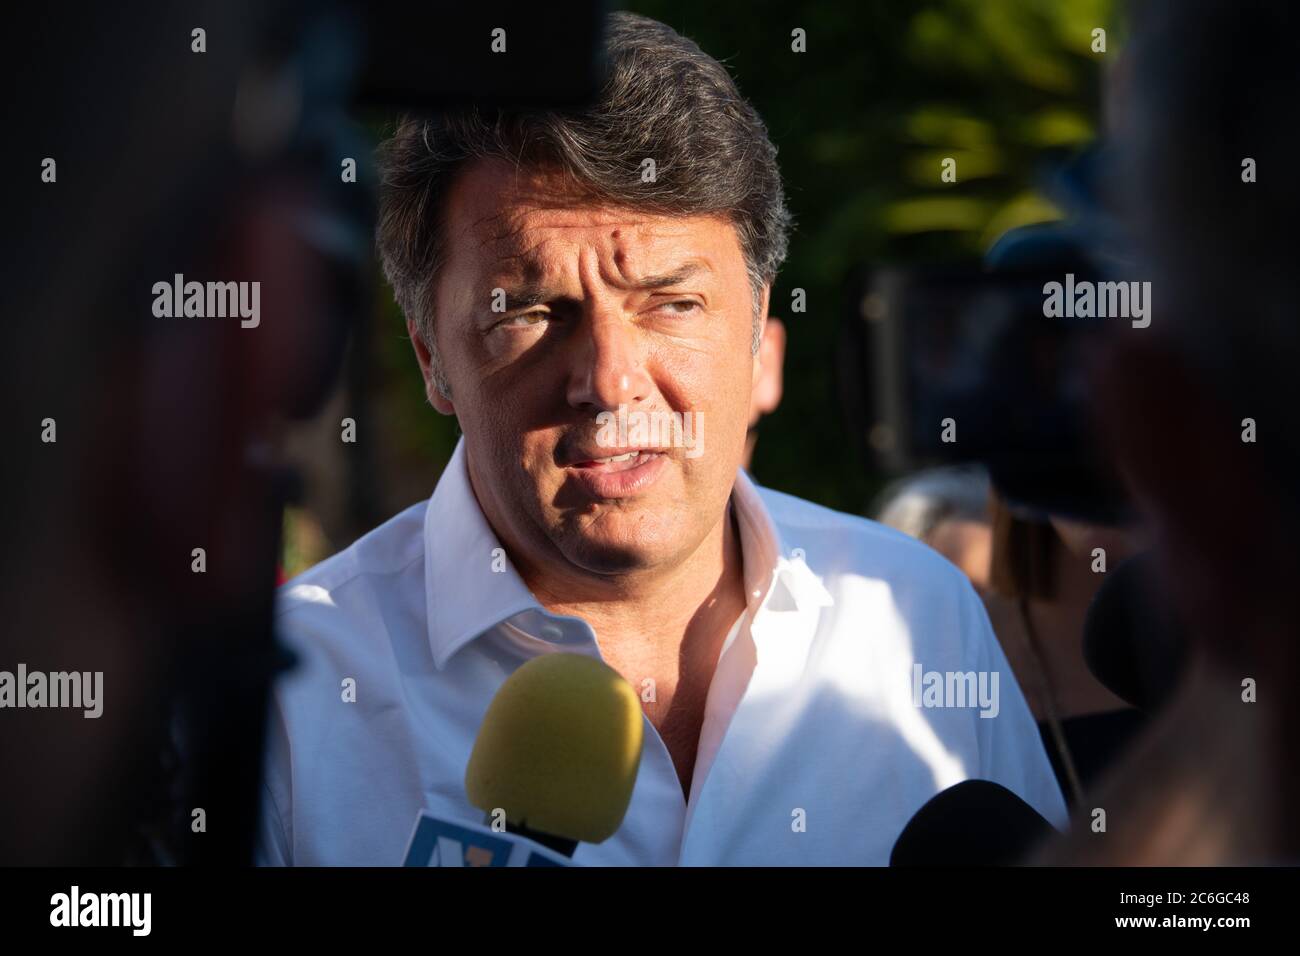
(553, 766)
(974, 823)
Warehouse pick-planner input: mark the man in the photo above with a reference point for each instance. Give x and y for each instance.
(559, 273)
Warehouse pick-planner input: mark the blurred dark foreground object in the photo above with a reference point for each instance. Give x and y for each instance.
(1131, 642)
(219, 164)
(1199, 411)
(962, 366)
(972, 823)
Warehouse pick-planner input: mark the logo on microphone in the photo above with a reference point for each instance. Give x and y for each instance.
(442, 843)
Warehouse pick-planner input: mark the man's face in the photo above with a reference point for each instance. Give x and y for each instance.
(602, 308)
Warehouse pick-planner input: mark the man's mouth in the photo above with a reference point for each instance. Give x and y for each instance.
(624, 474)
(622, 462)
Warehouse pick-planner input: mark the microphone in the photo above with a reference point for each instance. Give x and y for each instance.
(558, 752)
(974, 823)
(1131, 643)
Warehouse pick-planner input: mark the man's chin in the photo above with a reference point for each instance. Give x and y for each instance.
(615, 552)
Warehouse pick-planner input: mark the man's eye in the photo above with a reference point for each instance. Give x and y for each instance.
(523, 321)
(679, 306)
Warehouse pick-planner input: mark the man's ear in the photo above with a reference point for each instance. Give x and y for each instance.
(771, 356)
(764, 297)
(422, 355)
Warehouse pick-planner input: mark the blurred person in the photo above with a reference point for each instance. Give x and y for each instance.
(948, 509)
(1041, 585)
(1036, 581)
(781, 638)
(1204, 140)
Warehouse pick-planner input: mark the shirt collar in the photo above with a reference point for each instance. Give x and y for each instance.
(471, 586)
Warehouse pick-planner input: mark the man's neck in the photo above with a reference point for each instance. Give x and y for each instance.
(659, 616)
(664, 636)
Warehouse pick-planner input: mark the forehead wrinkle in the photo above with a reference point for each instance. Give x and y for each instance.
(507, 246)
(618, 242)
(629, 260)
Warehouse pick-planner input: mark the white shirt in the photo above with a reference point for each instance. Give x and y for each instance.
(814, 750)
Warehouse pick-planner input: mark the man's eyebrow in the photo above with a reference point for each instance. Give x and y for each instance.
(530, 295)
(526, 297)
(670, 278)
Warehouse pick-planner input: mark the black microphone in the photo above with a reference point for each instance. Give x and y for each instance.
(974, 823)
(1131, 642)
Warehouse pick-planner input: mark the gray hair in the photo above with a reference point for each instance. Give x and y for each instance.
(663, 98)
(919, 503)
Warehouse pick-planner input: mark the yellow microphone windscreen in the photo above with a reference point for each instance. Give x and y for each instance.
(559, 748)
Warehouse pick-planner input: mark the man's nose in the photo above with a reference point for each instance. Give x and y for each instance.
(609, 367)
